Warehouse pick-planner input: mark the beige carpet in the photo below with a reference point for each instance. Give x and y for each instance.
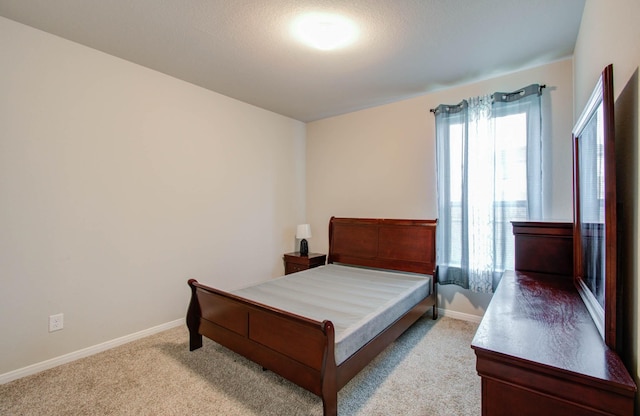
(430, 370)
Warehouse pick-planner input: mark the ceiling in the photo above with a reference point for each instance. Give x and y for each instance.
(243, 48)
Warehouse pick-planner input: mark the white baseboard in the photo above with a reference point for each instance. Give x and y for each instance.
(460, 315)
(85, 352)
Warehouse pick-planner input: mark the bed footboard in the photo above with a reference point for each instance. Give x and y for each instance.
(193, 318)
(247, 328)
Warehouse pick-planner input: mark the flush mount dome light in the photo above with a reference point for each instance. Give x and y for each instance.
(325, 31)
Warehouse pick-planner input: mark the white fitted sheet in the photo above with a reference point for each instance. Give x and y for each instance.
(359, 302)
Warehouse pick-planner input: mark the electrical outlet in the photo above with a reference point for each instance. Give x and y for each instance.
(56, 322)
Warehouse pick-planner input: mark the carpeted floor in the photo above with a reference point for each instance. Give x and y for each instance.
(429, 370)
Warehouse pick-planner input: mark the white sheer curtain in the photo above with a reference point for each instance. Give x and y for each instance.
(489, 173)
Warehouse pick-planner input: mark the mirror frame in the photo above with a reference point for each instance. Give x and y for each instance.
(605, 316)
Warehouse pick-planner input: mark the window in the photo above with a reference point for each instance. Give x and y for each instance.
(489, 174)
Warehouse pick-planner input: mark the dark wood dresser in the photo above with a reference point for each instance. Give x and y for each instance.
(538, 350)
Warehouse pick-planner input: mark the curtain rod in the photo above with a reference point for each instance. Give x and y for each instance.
(433, 110)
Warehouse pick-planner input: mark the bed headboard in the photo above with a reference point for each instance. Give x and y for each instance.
(405, 245)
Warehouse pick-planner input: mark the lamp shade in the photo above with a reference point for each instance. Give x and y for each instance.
(303, 231)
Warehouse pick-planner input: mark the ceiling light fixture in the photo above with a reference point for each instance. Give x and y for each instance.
(325, 31)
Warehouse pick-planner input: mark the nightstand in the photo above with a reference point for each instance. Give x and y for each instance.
(294, 262)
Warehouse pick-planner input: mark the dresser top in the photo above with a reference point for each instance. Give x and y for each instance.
(541, 320)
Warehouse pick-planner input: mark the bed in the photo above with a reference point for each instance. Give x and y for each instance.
(255, 323)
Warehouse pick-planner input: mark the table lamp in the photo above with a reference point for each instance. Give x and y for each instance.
(303, 232)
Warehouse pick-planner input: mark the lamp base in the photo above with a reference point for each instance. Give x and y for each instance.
(304, 247)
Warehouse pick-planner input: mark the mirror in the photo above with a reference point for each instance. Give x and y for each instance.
(595, 208)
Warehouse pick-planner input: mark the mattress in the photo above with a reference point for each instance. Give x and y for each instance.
(359, 302)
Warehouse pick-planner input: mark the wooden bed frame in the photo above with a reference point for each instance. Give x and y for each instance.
(264, 334)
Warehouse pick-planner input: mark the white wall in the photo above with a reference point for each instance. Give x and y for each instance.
(117, 183)
(380, 162)
(610, 34)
